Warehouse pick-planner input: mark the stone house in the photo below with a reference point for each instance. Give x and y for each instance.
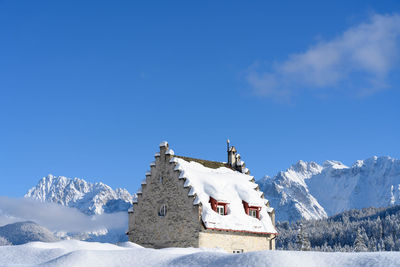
(188, 202)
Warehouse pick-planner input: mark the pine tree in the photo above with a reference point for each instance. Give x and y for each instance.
(299, 240)
(306, 246)
(359, 242)
(303, 243)
(4, 242)
(389, 243)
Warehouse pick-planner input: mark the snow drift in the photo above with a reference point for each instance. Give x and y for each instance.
(78, 253)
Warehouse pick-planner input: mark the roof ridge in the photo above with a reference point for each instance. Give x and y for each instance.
(206, 163)
(179, 156)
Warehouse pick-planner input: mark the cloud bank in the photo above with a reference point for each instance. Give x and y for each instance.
(362, 57)
(57, 217)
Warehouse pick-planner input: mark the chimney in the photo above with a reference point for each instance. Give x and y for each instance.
(163, 148)
(227, 149)
(231, 156)
(234, 160)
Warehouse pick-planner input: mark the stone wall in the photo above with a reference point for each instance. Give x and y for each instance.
(236, 241)
(181, 225)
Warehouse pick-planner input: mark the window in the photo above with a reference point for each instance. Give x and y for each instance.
(163, 211)
(235, 251)
(221, 210)
(219, 207)
(253, 213)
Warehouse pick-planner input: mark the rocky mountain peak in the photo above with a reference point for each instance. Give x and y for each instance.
(90, 198)
(308, 190)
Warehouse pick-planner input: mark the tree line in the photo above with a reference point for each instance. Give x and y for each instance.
(369, 229)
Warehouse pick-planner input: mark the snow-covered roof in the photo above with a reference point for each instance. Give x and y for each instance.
(225, 185)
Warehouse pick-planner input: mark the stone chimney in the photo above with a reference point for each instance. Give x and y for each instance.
(232, 156)
(234, 160)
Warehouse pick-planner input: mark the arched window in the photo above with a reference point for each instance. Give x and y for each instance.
(163, 211)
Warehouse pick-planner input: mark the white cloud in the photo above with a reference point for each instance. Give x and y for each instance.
(361, 57)
(56, 217)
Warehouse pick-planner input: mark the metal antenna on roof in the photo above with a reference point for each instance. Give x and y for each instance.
(227, 144)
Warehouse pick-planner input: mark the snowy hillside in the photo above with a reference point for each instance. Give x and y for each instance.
(78, 253)
(64, 222)
(24, 232)
(89, 198)
(311, 191)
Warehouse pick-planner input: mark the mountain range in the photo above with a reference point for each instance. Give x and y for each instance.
(89, 198)
(308, 190)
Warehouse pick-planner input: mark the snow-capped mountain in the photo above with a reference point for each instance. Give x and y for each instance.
(289, 195)
(89, 198)
(308, 190)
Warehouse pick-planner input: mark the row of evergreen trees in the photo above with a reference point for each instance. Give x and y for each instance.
(370, 229)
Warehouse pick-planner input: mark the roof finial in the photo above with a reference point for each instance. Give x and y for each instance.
(227, 145)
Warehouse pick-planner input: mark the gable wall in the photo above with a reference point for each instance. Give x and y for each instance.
(180, 227)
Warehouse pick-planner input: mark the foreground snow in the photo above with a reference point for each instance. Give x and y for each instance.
(79, 253)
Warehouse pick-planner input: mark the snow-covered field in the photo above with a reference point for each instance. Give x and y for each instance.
(80, 253)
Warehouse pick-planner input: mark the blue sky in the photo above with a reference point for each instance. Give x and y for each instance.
(90, 88)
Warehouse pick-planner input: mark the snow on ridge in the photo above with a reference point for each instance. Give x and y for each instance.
(90, 198)
(334, 164)
(305, 169)
(375, 160)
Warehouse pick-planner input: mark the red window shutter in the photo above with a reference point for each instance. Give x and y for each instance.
(225, 209)
(213, 204)
(246, 207)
